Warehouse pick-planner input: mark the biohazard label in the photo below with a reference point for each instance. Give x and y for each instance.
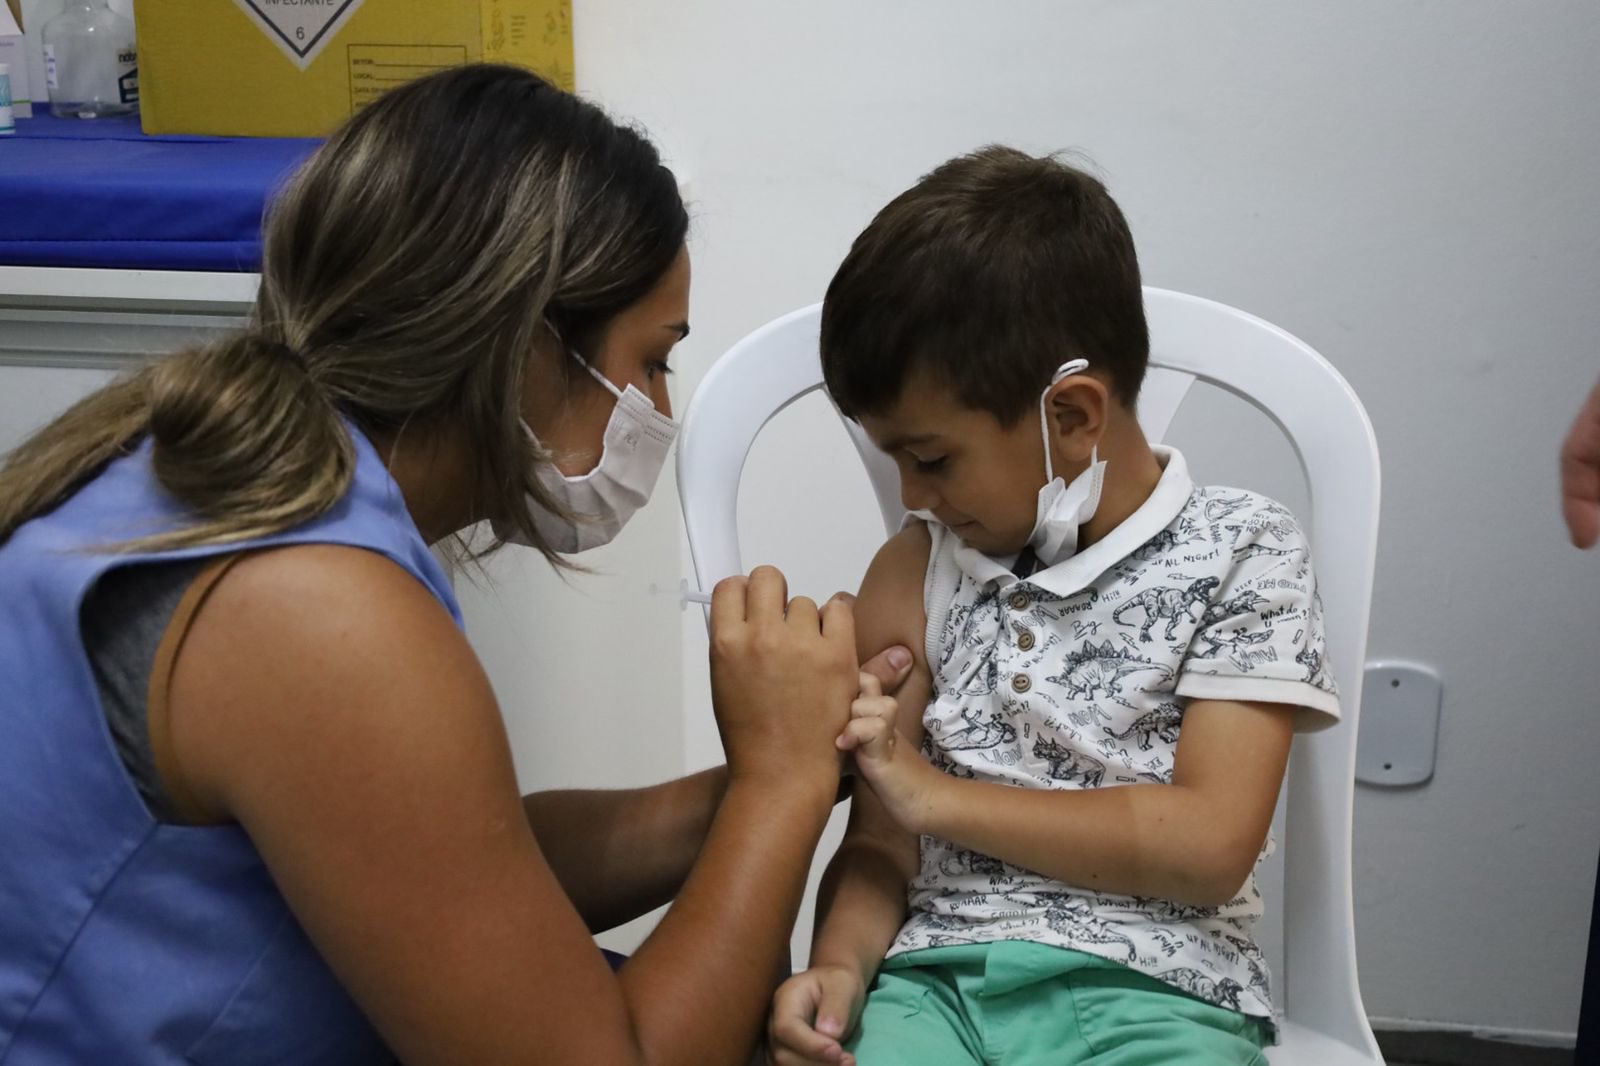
(300, 27)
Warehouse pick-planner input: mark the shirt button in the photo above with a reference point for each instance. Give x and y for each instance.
(1025, 639)
(1018, 600)
(1020, 683)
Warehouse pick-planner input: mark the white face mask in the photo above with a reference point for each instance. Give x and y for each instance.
(634, 451)
(1062, 507)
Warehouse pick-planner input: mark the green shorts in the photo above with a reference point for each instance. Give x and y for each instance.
(1017, 1002)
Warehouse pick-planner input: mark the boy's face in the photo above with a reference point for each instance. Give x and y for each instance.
(978, 477)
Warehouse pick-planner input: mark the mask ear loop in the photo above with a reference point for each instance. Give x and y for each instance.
(572, 352)
(604, 381)
(1067, 369)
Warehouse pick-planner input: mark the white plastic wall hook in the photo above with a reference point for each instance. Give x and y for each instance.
(1399, 724)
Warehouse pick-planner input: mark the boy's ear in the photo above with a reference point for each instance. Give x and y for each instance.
(1076, 408)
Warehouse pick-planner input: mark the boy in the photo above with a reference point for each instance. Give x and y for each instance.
(1111, 667)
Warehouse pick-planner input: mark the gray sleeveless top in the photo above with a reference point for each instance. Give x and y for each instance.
(123, 620)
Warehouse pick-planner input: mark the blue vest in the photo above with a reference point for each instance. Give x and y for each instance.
(121, 939)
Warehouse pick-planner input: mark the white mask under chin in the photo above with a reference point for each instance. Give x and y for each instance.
(635, 447)
(1062, 507)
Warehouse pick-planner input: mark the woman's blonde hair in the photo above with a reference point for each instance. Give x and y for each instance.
(409, 270)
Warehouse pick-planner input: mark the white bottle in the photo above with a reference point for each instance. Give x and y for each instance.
(91, 64)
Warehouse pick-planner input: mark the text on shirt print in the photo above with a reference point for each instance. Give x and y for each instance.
(1170, 945)
(1234, 641)
(1164, 548)
(936, 920)
(1086, 716)
(1246, 660)
(1080, 601)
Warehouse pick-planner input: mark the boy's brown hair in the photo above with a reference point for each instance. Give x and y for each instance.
(986, 275)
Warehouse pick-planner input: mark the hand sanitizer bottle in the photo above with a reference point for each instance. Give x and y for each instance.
(91, 65)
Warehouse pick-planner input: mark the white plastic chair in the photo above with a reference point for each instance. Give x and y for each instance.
(1324, 1022)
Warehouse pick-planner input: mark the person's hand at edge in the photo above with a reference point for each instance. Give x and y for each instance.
(1580, 474)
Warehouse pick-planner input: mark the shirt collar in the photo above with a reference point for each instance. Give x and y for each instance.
(1163, 505)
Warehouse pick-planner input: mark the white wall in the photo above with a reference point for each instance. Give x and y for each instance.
(1406, 185)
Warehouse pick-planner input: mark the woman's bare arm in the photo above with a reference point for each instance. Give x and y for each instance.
(327, 703)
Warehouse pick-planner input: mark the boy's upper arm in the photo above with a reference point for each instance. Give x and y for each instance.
(889, 610)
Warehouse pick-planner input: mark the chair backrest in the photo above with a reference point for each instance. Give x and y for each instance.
(1191, 339)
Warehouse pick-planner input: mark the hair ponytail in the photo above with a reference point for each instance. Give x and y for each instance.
(246, 439)
(240, 434)
(51, 465)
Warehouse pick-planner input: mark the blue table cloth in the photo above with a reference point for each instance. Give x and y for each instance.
(99, 193)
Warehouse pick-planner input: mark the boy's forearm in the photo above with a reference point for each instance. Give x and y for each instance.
(1146, 840)
(861, 903)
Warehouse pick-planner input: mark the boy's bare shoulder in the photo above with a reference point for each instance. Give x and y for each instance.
(901, 564)
(889, 606)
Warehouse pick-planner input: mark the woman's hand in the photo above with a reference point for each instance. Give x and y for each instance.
(812, 1012)
(782, 678)
(902, 779)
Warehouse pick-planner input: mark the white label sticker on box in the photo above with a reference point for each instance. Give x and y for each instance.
(301, 28)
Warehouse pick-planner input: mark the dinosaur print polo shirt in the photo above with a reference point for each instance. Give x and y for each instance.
(1077, 676)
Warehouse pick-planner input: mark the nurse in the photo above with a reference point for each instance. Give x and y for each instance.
(258, 804)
